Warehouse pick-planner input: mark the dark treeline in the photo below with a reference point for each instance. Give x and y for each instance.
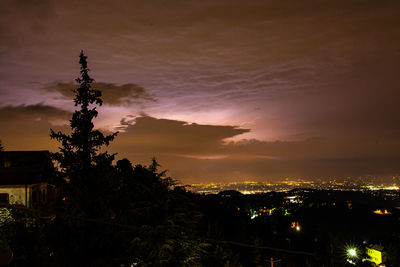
(132, 215)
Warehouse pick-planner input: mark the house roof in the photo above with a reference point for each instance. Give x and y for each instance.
(25, 167)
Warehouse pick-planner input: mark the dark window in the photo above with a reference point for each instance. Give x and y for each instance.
(35, 196)
(4, 198)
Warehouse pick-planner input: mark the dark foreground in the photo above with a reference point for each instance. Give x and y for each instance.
(152, 224)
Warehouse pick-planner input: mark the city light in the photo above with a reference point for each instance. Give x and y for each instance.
(284, 185)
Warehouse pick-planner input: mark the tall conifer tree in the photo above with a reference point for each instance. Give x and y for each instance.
(81, 163)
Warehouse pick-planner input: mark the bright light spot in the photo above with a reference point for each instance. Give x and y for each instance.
(297, 228)
(352, 252)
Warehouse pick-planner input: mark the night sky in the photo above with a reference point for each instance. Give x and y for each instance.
(215, 90)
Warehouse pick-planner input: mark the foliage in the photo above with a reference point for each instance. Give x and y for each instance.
(24, 233)
(87, 172)
(165, 218)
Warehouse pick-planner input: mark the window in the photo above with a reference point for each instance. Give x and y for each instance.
(4, 198)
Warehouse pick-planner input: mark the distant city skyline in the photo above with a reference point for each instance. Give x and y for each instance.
(387, 185)
(215, 90)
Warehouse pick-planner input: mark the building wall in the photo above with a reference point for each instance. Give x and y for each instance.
(16, 193)
(35, 194)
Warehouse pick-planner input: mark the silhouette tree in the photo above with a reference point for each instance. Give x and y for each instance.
(82, 165)
(165, 218)
(86, 180)
(1, 146)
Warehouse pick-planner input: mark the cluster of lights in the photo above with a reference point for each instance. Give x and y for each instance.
(295, 226)
(261, 211)
(252, 187)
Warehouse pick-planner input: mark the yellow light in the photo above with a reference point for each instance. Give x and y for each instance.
(382, 212)
(297, 228)
(374, 255)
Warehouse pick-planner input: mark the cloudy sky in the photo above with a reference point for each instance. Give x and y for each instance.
(216, 90)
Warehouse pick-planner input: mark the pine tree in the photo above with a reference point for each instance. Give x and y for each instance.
(82, 165)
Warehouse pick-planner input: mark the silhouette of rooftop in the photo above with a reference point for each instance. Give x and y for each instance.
(25, 167)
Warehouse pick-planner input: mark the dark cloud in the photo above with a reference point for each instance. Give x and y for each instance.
(28, 127)
(38, 112)
(151, 135)
(200, 152)
(112, 94)
(148, 134)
